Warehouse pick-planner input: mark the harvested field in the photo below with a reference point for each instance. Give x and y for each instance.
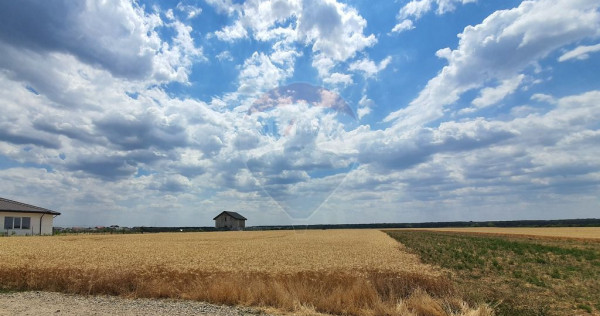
(355, 272)
(560, 232)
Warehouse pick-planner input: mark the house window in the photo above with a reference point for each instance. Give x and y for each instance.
(17, 222)
(8, 222)
(26, 223)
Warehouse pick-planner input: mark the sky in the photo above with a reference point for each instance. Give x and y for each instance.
(165, 113)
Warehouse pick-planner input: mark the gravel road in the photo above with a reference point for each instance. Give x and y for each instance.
(48, 303)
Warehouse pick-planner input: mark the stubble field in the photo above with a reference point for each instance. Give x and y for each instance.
(554, 232)
(354, 272)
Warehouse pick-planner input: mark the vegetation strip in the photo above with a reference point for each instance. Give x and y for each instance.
(518, 275)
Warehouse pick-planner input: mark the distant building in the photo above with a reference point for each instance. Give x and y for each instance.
(23, 219)
(230, 220)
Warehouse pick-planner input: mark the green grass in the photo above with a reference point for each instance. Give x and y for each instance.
(517, 275)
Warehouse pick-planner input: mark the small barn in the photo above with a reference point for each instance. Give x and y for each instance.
(23, 219)
(230, 220)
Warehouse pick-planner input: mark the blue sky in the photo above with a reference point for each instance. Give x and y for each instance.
(165, 113)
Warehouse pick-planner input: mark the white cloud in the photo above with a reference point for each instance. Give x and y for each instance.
(364, 106)
(490, 96)
(260, 74)
(190, 10)
(580, 52)
(333, 30)
(224, 55)
(233, 32)
(538, 159)
(173, 62)
(224, 6)
(541, 97)
(338, 78)
(102, 146)
(405, 25)
(120, 37)
(368, 67)
(417, 8)
(503, 45)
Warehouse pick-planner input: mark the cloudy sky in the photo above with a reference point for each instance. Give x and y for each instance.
(165, 113)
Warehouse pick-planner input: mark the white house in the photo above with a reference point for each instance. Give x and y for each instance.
(23, 219)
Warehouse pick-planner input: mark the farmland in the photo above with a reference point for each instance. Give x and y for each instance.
(357, 272)
(521, 271)
(555, 232)
(517, 274)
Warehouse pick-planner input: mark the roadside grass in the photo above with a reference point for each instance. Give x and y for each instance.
(516, 275)
(335, 292)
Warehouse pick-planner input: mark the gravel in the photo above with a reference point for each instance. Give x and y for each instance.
(49, 303)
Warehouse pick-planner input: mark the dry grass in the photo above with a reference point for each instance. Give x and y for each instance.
(353, 272)
(560, 232)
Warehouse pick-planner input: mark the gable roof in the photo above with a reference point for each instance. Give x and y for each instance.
(232, 214)
(7, 205)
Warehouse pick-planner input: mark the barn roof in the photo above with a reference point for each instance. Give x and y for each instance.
(232, 214)
(7, 205)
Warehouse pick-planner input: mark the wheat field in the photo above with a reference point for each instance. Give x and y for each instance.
(557, 232)
(352, 272)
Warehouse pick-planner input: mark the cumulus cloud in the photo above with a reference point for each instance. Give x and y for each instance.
(504, 44)
(143, 130)
(82, 135)
(333, 30)
(260, 73)
(338, 78)
(119, 37)
(224, 6)
(232, 32)
(387, 150)
(530, 160)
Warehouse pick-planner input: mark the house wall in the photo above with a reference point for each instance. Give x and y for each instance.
(47, 222)
(226, 221)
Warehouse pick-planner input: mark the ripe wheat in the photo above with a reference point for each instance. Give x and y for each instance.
(355, 272)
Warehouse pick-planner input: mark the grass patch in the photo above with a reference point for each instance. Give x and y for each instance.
(517, 275)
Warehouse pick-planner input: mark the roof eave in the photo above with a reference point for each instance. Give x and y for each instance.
(229, 213)
(31, 212)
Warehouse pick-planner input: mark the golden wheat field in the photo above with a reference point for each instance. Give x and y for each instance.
(559, 232)
(353, 272)
(252, 251)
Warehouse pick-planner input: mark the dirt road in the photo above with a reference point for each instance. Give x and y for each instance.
(47, 303)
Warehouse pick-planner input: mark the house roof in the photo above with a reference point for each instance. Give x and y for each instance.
(7, 205)
(232, 214)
